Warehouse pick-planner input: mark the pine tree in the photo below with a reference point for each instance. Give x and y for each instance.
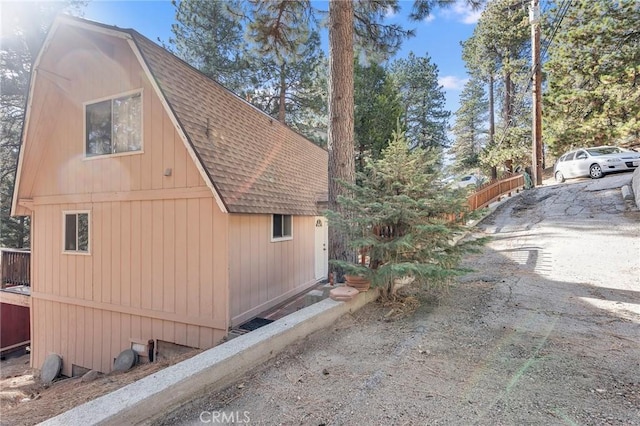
(424, 116)
(289, 80)
(266, 52)
(377, 109)
(209, 36)
(499, 47)
(594, 100)
(358, 21)
(469, 129)
(362, 19)
(402, 219)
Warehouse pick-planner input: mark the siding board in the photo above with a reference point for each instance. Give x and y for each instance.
(48, 241)
(205, 253)
(89, 337)
(220, 229)
(156, 256)
(288, 266)
(116, 252)
(99, 327)
(136, 255)
(96, 238)
(146, 238)
(169, 256)
(168, 151)
(181, 259)
(168, 331)
(116, 341)
(125, 254)
(106, 251)
(157, 170)
(193, 267)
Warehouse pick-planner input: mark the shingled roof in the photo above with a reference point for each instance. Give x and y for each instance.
(255, 163)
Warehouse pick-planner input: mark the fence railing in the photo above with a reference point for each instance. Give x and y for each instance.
(14, 267)
(494, 190)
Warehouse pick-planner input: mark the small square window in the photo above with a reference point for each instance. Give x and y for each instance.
(114, 126)
(76, 232)
(281, 227)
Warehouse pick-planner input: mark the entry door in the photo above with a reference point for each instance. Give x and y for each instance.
(322, 254)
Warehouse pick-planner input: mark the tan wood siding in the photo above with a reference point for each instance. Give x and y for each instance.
(158, 244)
(161, 281)
(264, 273)
(58, 115)
(92, 338)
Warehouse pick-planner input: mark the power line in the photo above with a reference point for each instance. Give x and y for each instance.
(556, 22)
(562, 11)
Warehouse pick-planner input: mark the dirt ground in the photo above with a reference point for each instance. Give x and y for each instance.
(25, 400)
(545, 331)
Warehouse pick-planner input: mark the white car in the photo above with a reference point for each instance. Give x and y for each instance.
(595, 162)
(465, 181)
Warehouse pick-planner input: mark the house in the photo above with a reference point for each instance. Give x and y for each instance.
(164, 208)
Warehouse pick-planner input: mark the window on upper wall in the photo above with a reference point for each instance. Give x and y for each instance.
(281, 227)
(76, 232)
(114, 126)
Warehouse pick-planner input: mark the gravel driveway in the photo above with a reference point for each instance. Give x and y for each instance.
(545, 331)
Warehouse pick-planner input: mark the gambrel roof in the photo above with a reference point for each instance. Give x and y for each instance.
(251, 162)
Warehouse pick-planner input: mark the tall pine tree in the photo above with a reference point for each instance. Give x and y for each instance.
(402, 219)
(208, 35)
(377, 110)
(594, 100)
(289, 80)
(498, 53)
(424, 117)
(469, 130)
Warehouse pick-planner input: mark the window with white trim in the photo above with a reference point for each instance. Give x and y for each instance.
(114, 125)
(281, 227)
(76, 232)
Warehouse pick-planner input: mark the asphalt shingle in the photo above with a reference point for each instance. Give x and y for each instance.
(257, 164)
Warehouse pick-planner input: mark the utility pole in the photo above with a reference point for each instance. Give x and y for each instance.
(536, 165)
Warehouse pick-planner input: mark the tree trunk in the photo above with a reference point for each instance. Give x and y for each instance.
(508, 104)
(283, 92)
(492, 123)
(341, 124)
(508, 111)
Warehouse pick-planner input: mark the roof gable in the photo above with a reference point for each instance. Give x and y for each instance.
(251, 162)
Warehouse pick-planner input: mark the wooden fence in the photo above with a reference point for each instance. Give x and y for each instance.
(14, 267)
(494, 190)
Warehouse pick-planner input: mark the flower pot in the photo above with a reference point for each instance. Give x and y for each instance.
(358, 282)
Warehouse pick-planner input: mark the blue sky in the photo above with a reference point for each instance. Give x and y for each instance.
(439, 36)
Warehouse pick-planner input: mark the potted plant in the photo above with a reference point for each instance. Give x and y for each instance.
(400, 219)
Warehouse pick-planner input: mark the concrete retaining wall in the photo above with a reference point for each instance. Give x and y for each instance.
(155, 395)
(635, 186)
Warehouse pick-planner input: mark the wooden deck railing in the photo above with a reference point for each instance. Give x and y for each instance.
(14, 267)
(493, 190)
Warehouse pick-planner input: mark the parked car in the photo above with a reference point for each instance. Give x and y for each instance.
(467, 180)
(595, 162)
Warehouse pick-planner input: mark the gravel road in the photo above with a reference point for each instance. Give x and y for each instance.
(545, 331)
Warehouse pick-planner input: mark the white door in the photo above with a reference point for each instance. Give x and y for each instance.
(322, 254)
